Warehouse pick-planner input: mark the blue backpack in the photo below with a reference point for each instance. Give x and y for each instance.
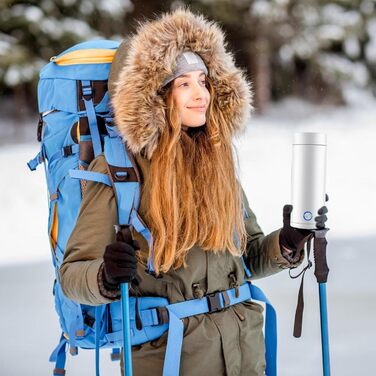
(74, 127)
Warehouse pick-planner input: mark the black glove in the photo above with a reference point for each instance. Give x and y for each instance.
(120, 263)
(291, 237)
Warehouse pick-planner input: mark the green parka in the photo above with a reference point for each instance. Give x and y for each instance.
(228, 342)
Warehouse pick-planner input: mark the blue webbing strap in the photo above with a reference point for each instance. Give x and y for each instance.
(66, 151)
(87, 96)
(127, 193)
(35, 162)
(59, 356)
(75, 320)
(140, 227)
(246, 269)
(99, 310)
(188, 308)
(270, 331)
(111, 130)
(171, 365)
(193, 307)
(90, 176)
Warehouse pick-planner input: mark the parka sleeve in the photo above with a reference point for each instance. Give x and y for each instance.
(263, 256)
(93, 231)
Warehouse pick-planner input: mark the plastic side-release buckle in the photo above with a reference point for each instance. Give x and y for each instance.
(87, 92)
(214, 302)
(67, 151)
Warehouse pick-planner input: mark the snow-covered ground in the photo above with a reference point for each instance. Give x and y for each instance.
(28, 323)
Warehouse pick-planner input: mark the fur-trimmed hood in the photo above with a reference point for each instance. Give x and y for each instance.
(143, 62)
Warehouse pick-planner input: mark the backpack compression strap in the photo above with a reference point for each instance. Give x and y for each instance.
(87, 96)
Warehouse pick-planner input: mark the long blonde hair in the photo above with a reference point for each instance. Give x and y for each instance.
(194, 194)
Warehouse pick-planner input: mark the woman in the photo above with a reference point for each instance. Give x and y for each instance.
(178, 100)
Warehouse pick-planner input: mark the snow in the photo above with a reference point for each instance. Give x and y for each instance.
(4, 47)
(337, 15)
(371, 28)
(337, 65)
(6, 43)
(370, 51)
(56, 28)
(80, 28)
(367, 7)
(33, 14)
(260, 8)
(370, 48)
(19, 73)
(115, 8)
(86, 7)
(305, 46)
(26, 274)
(352, 47)
(330, 32)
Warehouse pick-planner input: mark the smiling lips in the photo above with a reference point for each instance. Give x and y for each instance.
(198, 108)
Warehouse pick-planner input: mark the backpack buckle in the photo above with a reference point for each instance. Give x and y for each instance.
(67, 151)
(214, 302)
(218, 301)
(87, 92)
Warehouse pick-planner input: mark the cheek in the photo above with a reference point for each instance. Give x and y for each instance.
(208, 95)
(180, 102)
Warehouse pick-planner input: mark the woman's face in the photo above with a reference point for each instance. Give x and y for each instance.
(191, 98)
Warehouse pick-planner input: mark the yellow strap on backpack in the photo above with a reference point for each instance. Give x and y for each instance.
(86, 56)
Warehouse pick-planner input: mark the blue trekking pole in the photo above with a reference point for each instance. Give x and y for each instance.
(321, 273)
(308, 194)
(127, 349)
(124, 288)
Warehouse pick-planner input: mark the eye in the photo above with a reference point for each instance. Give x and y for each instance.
(203, 82)
(183, 84)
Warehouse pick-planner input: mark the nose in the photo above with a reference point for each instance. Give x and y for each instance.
(198, 92)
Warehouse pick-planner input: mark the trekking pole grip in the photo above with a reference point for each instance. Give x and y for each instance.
(319, 254)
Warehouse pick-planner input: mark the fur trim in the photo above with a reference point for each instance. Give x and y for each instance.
(150, 56)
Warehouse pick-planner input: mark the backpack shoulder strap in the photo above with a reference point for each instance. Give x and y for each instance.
(121, 170)
(126, 181)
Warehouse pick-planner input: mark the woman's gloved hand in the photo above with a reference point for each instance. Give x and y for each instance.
(120, 263)
(291, 237)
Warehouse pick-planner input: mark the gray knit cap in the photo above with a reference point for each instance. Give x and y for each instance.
(187, 62)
